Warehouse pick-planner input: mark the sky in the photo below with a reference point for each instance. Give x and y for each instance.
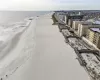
(49, 4)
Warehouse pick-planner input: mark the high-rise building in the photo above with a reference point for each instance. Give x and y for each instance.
(75, 24)
(94, 36)
(82, 28)
(72, 17)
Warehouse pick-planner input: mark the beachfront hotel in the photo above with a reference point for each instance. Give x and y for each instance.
(83, 26)
(93, 35)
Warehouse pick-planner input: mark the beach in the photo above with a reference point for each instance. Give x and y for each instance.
(52, 58)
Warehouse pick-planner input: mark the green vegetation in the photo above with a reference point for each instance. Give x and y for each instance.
(54, 19)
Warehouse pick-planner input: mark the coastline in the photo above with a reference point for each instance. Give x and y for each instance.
(14, 56)
(53, 59)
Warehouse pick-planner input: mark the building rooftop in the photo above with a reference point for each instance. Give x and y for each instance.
(76, 15)
(86, 23)
(90, 23)
(97, 29)
(94, 21)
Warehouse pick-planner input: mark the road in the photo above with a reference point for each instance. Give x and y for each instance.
(53, 59)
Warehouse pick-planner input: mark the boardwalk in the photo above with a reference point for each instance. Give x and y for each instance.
(53, 58)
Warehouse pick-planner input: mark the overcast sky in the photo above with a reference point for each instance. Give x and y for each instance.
(48, 4)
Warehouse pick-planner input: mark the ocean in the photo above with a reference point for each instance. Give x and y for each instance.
(7, 17)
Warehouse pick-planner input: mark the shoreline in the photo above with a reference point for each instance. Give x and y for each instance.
(8, 65)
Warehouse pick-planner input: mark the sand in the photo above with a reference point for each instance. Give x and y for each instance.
(52, 58)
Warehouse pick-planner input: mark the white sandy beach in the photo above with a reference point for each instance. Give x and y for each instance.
(13, 47)
(53, 59)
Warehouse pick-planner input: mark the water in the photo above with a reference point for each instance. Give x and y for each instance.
(7, 17)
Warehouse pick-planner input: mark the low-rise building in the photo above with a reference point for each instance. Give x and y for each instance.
(94, 36)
